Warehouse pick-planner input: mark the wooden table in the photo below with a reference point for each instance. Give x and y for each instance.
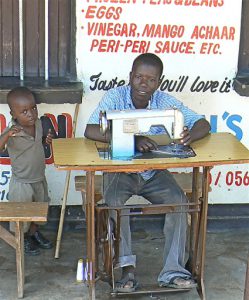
(215, 149)
(19, 212)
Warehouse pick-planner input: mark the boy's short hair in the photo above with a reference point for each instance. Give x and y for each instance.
(16, 92)
(149, 59)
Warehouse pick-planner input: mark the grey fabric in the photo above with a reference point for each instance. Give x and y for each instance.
(28, 182)
(27, 156)
(27, 192)
(161, 188)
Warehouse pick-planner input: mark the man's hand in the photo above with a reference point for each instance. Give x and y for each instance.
(145, 144)
(185, 136)
(199, 130)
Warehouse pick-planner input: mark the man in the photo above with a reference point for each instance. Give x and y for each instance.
(157, 186)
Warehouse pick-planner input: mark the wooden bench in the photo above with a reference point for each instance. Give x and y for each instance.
(183, 179)
(19, 212)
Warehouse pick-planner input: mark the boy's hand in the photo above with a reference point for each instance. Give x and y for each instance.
(49, 137)
(13, 130)
(185, 136)
(145, 144)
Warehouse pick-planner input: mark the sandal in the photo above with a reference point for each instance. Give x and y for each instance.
(179, 283)
(123, 286)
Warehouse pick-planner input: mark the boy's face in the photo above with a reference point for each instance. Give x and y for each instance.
(144, 81)
(24, 110)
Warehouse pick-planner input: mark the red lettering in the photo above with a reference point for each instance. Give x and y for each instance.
(105, 45)
(103, 12)
(2, 123)
(209, 48)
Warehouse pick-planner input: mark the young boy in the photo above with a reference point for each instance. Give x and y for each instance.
(23, 139)
(157, 186)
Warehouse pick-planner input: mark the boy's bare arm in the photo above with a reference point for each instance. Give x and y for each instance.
(7, 134)
(3, 140)
(93, 132)
(49, 137)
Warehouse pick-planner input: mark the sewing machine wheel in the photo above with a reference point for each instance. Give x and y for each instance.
(103, 122)
(105, 246)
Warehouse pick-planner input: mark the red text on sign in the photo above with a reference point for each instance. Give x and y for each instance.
(101, 12)
(210, 48)
(237, 178)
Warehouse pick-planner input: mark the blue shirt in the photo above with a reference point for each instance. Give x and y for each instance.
(120, 98)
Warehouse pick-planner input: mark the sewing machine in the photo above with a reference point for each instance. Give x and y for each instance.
(125, 124)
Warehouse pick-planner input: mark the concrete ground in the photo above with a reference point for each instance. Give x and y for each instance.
(48, 278)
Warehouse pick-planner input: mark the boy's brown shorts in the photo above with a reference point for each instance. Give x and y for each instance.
(27, 192)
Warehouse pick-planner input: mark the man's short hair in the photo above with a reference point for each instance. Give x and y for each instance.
(149, 59)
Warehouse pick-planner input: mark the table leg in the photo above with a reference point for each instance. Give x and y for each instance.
(246, 289)
(203, 231)
(90, 221)
(194, 232)
(19, 258)
(62, 216)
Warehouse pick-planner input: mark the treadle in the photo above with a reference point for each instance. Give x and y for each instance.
(149, 289)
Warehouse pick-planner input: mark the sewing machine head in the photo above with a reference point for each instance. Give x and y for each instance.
(125, 124)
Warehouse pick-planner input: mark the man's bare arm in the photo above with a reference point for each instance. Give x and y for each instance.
(92, 132)
(200, 129)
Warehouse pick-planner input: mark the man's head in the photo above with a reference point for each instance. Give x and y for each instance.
(22, 106)
(145, 75)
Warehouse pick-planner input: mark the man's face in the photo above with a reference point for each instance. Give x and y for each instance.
(144, 81)
(24, 110)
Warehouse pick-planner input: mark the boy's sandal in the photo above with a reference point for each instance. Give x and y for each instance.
(179, 283)
(127, 284)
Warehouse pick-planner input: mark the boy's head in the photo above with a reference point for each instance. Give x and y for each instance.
(22, 106)
(145, 76)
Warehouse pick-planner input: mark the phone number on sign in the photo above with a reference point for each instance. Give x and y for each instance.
(4, 180)
(237, 178)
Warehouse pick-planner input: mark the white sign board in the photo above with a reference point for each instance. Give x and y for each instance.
(198, 42)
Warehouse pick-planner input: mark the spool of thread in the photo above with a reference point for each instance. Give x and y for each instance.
(86, 271)
(80, 271)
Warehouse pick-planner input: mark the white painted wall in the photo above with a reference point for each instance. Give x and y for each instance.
(112, 54)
